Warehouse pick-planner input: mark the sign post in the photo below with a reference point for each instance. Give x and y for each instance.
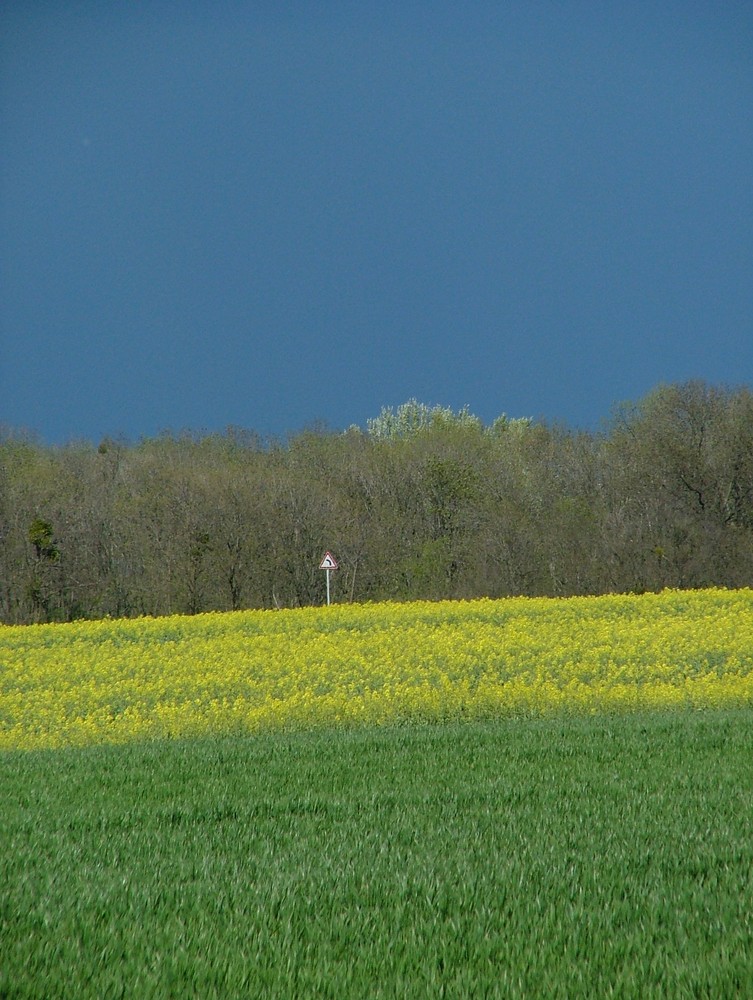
(328, 563)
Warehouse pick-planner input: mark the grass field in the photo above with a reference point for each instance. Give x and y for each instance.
(529, 858)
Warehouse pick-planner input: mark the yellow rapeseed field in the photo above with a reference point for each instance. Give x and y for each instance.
(116, 681)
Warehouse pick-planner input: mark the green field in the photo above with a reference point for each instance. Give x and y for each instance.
(592, 857)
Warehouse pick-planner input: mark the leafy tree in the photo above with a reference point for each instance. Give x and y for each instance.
(41, 537)
(412, 418)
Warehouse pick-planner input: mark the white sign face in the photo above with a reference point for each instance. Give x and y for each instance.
(329, 561)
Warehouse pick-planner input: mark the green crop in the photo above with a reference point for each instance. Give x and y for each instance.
(589, 857)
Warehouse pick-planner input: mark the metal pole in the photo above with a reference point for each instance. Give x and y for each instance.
(327, 587)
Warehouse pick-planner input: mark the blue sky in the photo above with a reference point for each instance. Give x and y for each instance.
(266, 214)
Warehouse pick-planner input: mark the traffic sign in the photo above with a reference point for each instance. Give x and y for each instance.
(329, 561)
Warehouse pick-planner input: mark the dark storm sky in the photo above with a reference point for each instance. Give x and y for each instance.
(268, 214)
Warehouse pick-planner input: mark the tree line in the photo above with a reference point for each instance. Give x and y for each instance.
(426, 502)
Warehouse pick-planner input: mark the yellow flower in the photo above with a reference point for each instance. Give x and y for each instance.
(118, 681)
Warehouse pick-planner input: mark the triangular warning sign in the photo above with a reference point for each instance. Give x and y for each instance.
(329, 561)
